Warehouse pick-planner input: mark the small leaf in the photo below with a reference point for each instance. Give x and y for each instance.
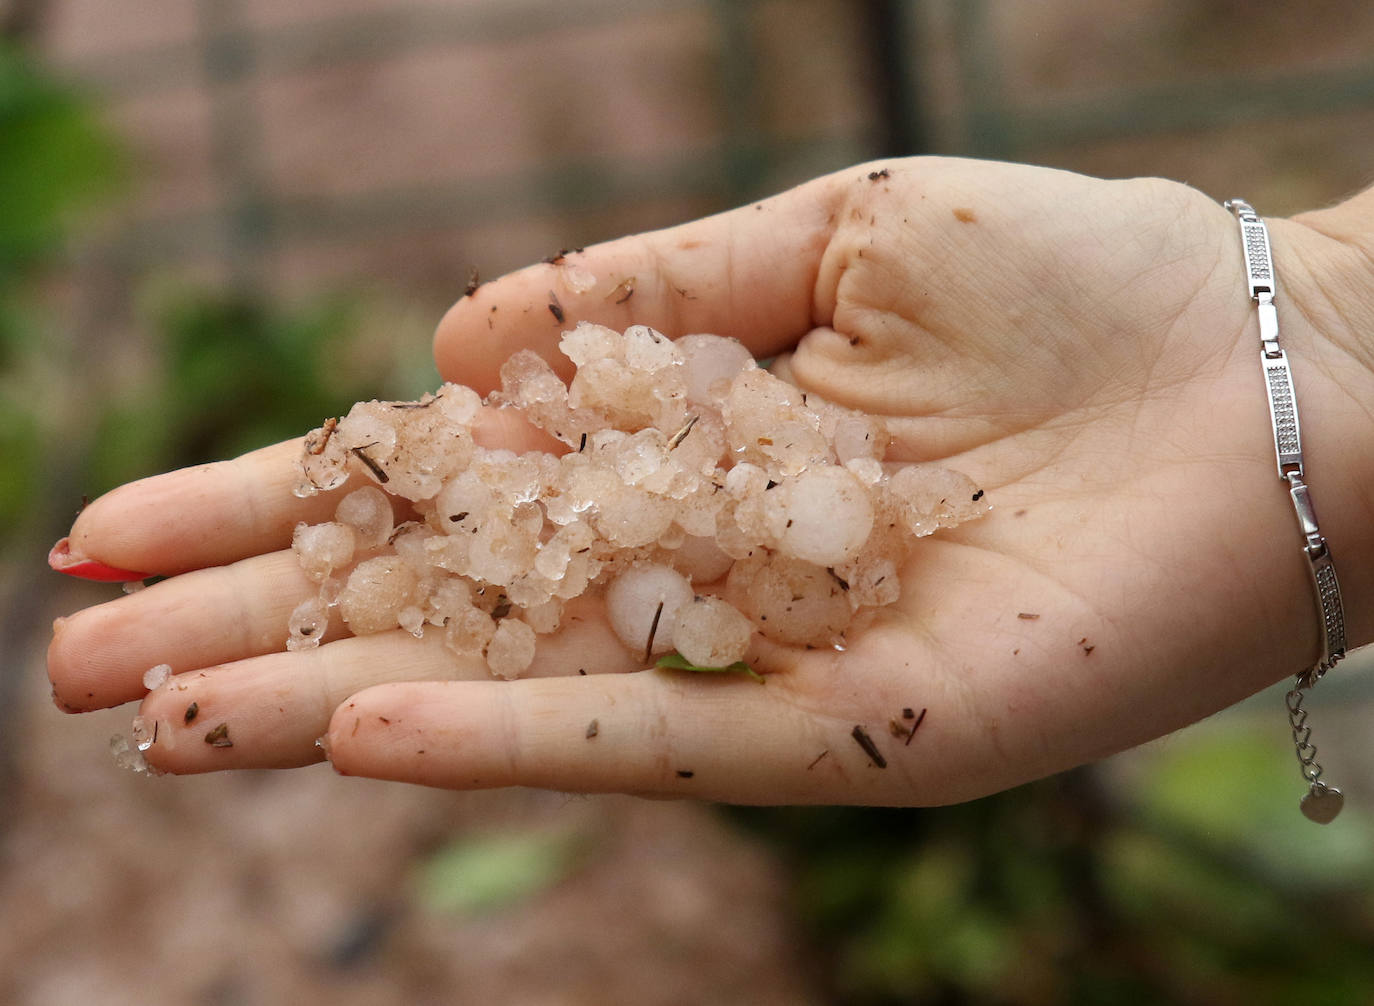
(677, 662)
(487, 873)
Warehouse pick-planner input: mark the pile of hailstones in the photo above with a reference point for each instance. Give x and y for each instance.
(705, 497)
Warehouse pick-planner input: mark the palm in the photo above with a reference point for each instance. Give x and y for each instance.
(1075, 346)
(1021, 632)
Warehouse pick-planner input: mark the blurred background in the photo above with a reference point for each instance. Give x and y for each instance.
(223, 220)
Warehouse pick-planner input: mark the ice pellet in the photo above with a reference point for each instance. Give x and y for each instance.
(141, 731)
(828, 516)
(307, 624)
(710, 632)
(710, 362)
(791, 601)
(578, 280)
(511, 649)
(368, 513)
(685, 465)
(931, 497)
(376, 592)
(130, 758)
(155, 677)
(323, 548)
(642, 604)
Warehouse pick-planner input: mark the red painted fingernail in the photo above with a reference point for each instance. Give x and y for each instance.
(63, 560)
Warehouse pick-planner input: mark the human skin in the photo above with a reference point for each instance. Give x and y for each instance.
(1085, 350)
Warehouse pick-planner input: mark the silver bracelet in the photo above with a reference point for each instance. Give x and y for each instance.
(1321, 802)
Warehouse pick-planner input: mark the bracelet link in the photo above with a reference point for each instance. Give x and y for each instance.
(1259, 264)
(1269, 325)
(1307, 516)
(1283, 411)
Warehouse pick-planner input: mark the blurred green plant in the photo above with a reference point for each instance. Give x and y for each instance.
(231, 371)
(220, 372)
(1191, 881)
(478, 874)
(56, 161)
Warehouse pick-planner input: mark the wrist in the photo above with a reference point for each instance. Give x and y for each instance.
(1333, 277)
(1325, 296)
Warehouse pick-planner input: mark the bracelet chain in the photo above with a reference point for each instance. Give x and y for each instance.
(1321, 803)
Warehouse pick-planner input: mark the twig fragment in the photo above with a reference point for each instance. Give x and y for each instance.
(915, 726)
(864, 741)
(372, 466)
(653, 631)
(681, 434)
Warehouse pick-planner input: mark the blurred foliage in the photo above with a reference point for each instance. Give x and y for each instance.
(55, 161)
(232, 372)
(221, 372)
(1195, 880)
(487, 873)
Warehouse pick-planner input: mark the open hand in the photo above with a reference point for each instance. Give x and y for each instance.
(1085, 350)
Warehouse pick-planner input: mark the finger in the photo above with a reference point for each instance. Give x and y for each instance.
(658, 733)
(275, 706)
(206, 515)
(268, 711)
(97, 657)
(749, 273)
(218, 513)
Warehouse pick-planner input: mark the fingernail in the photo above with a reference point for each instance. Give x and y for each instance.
(64, 560)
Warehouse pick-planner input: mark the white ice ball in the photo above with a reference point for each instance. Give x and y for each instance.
(829, 516)
(642, 605)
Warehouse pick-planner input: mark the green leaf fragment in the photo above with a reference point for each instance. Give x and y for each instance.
(677, 662)
(481, 874)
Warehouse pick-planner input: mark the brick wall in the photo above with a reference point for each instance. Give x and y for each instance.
(394, 143)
